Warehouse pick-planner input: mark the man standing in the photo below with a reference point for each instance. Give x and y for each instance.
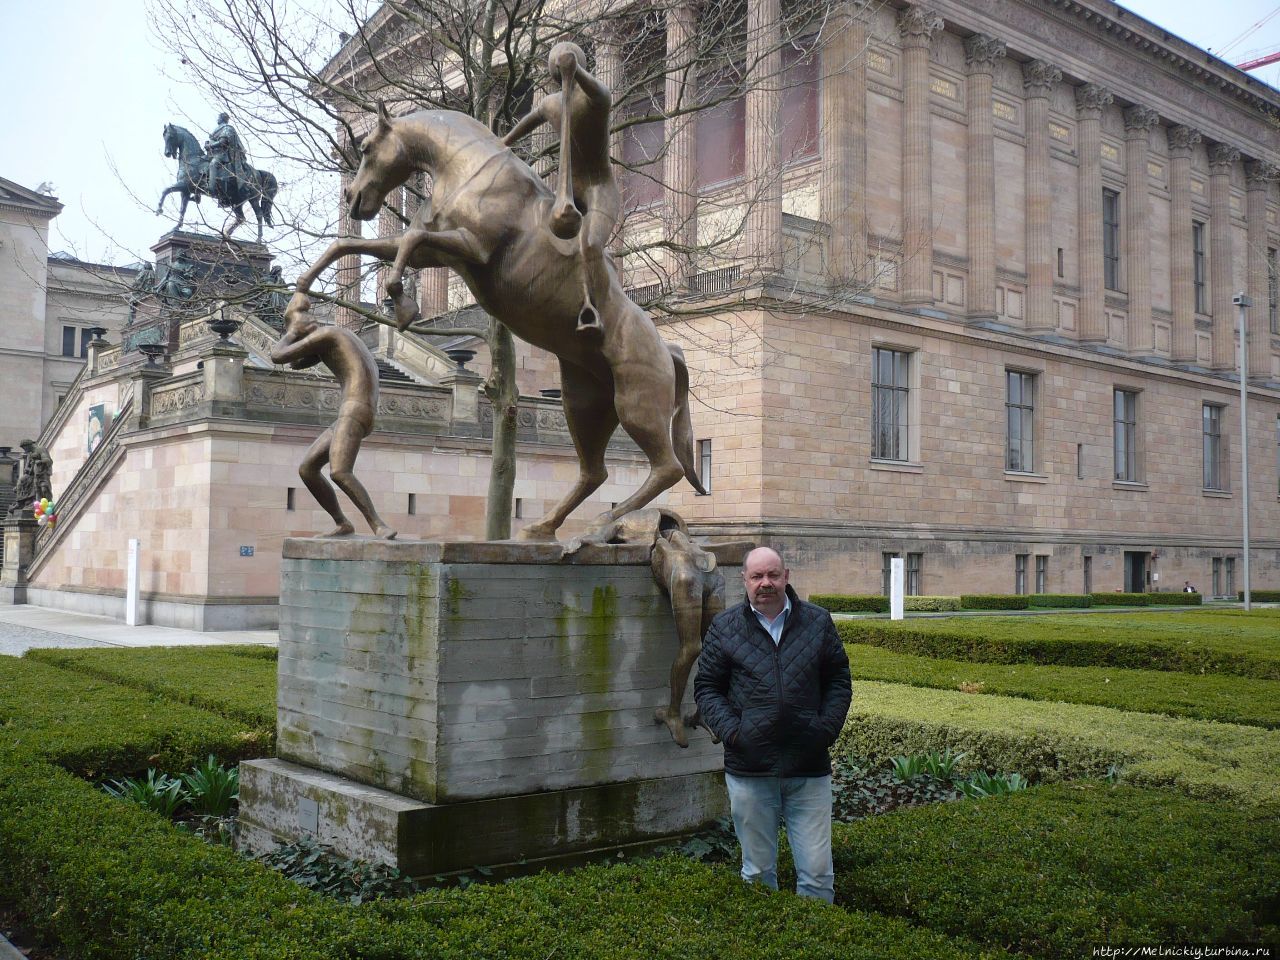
(773, 684)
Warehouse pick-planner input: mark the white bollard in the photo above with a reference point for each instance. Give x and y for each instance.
(897, 574)
(131, 587)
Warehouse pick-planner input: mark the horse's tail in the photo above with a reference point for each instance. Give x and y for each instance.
(267, 188)
(681, 423)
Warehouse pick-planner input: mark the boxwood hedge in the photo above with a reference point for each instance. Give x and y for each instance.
(851, 602)
(1052, 871)
(1261, 596)
(1059, 601)
(993, 601)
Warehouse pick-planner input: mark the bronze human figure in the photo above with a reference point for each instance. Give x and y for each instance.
(304, 344)
(691, 579)
(36, 480)
(588, 201)
(489, 220)
(234, 184)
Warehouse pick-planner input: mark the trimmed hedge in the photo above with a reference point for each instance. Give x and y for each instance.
(993, 601)
(1202, 641)
(1260, 596)
(1059, 601)
(1120, 599)
(1221, 697)
(1060, 741)
(1168, 599)
(851, 603)
(931, 604)
(1053, 871)
(236, 682)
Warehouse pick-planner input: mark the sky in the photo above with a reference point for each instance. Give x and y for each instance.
(88, 89)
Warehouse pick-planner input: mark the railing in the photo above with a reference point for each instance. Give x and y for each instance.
(722, 280)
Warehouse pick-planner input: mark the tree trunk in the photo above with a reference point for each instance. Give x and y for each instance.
(504, 397)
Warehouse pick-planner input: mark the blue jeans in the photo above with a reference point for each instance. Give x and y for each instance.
(760, 804)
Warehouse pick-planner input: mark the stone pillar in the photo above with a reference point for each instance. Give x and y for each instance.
(389, 225)
(764, 148)
(1181, 254)
(464, 420)
(679, 174)
(1092, 315)
(916, 25)
(1038, 80)
(20, 531)
(980, 54)
(348, 267)
(1258, 178)
(142, 380)
(1222, 158)
(1138, 122)
(844, 155)
(224, 376)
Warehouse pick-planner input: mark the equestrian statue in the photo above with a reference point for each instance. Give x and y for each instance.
(222, 173)
(515, 243)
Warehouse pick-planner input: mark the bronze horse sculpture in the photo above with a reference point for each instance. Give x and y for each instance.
(489, 219)
(193, 182)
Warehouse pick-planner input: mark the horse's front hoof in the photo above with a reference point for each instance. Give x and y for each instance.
(537, 533)
(566, 222)
(407, 312)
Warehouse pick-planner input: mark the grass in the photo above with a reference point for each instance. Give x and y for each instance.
(1221, 697)
(1194, 641)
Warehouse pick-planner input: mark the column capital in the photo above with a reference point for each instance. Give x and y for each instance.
(1222, 157)
(1139, 120)
(1090, 99)
(916, 25)
(1259, 174)
(981, 52)
(1039, 78)
(1183, 138)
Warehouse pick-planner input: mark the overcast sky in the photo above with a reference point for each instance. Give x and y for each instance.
(87, 90)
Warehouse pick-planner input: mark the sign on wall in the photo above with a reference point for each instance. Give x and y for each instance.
(97, 425)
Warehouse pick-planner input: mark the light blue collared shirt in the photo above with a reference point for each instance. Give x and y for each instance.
(775, 625)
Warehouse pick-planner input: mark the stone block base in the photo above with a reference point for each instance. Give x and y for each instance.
(283, 802)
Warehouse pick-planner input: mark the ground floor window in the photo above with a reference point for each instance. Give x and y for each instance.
(1020, 573)
(1042, 574)
(913, 574)
(1088, 574)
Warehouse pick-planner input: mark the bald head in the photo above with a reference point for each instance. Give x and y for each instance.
(765, 578)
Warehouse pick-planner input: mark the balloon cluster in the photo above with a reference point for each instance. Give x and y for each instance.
(46, 513)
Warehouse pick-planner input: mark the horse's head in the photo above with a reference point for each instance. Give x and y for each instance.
(170, 141)
(384, 165)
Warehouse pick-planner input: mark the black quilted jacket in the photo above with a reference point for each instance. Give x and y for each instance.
(777, 709)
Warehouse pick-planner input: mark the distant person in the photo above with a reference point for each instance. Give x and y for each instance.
(304, 344)
(773, 684)
(1188, 588)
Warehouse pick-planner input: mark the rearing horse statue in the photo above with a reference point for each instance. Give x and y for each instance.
(489, 220)
(193, 182)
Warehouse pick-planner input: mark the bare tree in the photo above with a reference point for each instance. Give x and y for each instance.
(307, 82)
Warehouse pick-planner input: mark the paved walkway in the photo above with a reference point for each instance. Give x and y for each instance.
(23, 627)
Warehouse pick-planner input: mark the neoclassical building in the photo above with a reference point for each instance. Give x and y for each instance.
(977, 308)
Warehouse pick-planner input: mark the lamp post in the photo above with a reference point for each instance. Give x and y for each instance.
(1243, 303)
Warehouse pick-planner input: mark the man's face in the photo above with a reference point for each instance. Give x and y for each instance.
(765, 579)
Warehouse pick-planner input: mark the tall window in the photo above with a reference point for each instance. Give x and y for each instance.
(1199, 267)
(799, 115)
(68, 341)
(1111, 239)
(1020, 573)
(1278, 456)
(704, 464)
(1217, 576)
(1088, 574)
(890, 392)
(1126, 435)
(721, 135)
(1212, 445)
(84, 343)
(1020, 431)
(1042, 574)
(1273, 288)
(886, 571)
(1231, 577)
(642, 145)
(914, 562)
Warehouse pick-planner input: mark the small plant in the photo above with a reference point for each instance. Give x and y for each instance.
(1114, 774)
(983, 784)
(941, 766)
(857, 792)
(160, 792)
(319, 867)
(970, 686)
(212, 787)
(909, 767)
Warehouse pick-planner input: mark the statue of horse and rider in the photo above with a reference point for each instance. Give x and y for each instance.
(223, 172)
(523, 253)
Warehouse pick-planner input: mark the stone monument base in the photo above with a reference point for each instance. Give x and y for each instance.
(450, 705)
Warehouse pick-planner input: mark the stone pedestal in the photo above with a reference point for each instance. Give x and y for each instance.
(19, 547)
(445, 705)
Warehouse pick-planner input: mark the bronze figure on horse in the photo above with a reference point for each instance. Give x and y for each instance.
(231, 187)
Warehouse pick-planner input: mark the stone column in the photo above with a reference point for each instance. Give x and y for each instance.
(1222, 158)
(844, 155)
(432, 283)
(609, 71)
(1092, 315)
(764, 150)
(348, 267)
(916, 25)
(1138, 122)
(980, 55)
(1258, 178)
(679, 173)
(1038, 80)
(389, 225)
(1181, 254)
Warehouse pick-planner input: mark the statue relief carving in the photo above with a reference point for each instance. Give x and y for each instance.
(1222, 157)
(917, 25)
(1140, 120)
